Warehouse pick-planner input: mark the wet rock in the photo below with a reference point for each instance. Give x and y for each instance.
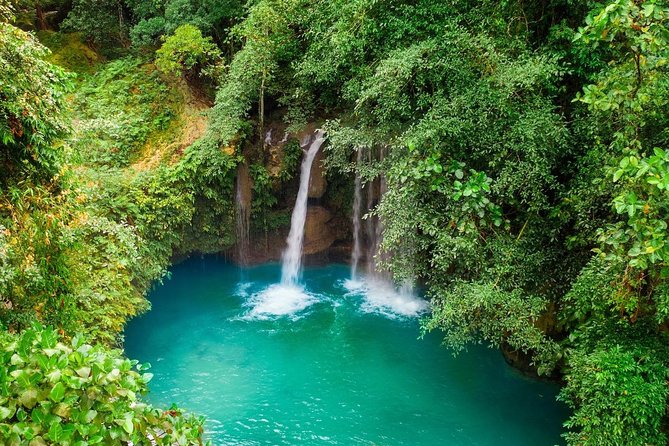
(317, 183)
(318, 235)
(244, 185)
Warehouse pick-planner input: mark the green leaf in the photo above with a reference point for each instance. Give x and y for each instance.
(56, 432)
(84, 372)
(37, 441)
(95, 439)
(126, 423)
(57, 392)
(90, 416)
(28, 398)
(6, 412)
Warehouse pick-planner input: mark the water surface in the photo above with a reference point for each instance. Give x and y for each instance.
(328, 365)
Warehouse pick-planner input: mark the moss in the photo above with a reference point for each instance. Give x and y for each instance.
(189, 123)
(69, 51)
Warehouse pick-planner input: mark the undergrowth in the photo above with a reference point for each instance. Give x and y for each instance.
(118, 108)
(80, 252)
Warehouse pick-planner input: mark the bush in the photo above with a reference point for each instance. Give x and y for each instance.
(55, 391)
(187, 52)
(32, 92)
(118, 108)
(618, 396)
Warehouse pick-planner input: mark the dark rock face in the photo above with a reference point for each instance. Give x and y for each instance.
(244, 186)
(319, 236)
(266, 247)
(519, 360)
(547, 323)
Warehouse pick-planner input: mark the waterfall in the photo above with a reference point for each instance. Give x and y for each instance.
(357, 204)
(243, 212)
(373, 226)
(377, 287)
(268, 138)
(370, 230)
(292, 256)
(377, 255)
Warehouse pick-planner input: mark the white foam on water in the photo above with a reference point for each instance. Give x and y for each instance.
(355, 286)
(278, 301)
(381, 297)
(242, 289)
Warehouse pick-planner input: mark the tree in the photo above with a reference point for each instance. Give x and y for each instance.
(617, 308)
(472, 142)
(101, 22)
(187, 53)
(32, 93)
(154, 19)
(268, 41)
(34, 12)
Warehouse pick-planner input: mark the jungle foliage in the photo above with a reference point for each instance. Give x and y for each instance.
(525, 147)
(87, 225)
(57, 391)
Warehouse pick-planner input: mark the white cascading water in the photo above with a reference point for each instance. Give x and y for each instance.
(242, 214)
(288, 298)
(377, 237)
(292, 256)
(377, 288)
(370, 231)
(357, 204)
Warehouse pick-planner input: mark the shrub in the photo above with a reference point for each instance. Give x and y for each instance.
(55, 391)
(187, 52)
(618, 396)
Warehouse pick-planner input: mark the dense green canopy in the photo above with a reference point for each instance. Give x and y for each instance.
(524, 147)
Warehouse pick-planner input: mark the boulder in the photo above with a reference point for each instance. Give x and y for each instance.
(318, 235)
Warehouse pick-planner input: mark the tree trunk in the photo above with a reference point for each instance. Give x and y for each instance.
(125, 43)
(41, 19)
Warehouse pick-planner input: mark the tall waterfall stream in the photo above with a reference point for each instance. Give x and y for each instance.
(292, 256)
